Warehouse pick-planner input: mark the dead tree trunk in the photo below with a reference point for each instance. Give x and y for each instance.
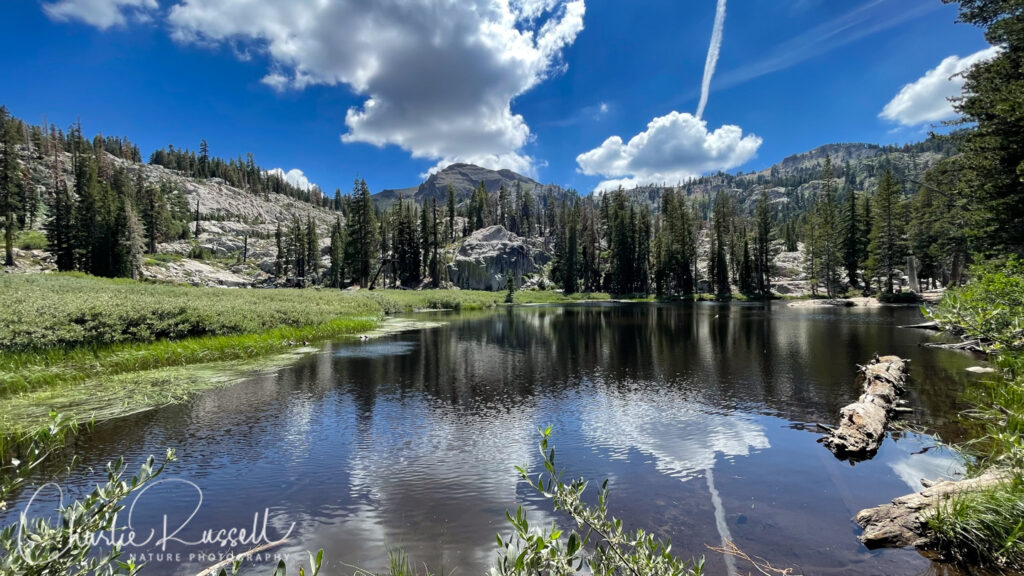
(904, 521)
(862, 427)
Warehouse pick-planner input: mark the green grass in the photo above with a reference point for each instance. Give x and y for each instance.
(64, 338)
(984, 527)
(987, 527)
(92, 347)
(163, 258)
(31, 240)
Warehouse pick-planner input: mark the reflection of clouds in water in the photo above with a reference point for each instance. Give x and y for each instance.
(418, 463)
(374, 349)
(939, 462)
(683, 436)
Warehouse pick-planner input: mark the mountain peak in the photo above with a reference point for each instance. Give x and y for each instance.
(464, 178)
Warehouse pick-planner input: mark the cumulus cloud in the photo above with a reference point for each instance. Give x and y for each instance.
(927, 98)
(674, 148)
(438, 76)
(295, 177)
(100, 13)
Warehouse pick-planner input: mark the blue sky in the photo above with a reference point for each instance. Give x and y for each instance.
(535, 85)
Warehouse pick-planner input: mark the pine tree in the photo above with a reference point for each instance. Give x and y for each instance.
(851, 227)
(204, 159)
(478, 207)
(762, 247)
(642, 279)
(426, 237)
(791, 236)
(828, 232)
(155, 217)
(312, 250)
(435, 259)
(280, 261)
(336, 273)
(570, 270)
(590, 271)
(718, 266)
(297, 251)
(510, 285)
(9, 183)
(363, 235)
(407, 246)
(451, 213)
(132, 243)
(747, 284)
(59, 233)
(991, 148)
(504, 208)
(887, 247)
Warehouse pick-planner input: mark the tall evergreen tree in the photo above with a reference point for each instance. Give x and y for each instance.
(204, 159)
(10, 183)
(718, 266)
(435, 258)
(336, 273)
(426, 239)
(363, 236)
(133, 244)
(887, 248)
(281, 259)
(747, 284)
(570, 270)
(59, 232)
(312, 250)
(763, 246)
(827, 221)
(851, 234)
(451, 213)
(991, 150)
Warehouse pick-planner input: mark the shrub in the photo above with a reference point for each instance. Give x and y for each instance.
(31, 240)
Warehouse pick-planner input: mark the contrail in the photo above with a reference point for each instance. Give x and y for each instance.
(709, 64)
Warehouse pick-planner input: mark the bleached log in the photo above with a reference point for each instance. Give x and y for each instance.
(904, 521)
(862, 424)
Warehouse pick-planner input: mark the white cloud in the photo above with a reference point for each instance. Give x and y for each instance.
(674, 148)
(438, 76)
(712, 59)
(927, 98)
(295, 177)
(100, 13)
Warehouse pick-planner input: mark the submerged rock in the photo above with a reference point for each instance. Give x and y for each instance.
(488, 256)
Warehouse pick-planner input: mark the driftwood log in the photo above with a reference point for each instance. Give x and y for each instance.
(862, 425)
(904, 521)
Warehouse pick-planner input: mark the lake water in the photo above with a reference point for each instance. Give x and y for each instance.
(701, 415)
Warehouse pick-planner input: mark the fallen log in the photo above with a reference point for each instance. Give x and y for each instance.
(969, 345)
(924, 326)
(862, 424)
(904, 521)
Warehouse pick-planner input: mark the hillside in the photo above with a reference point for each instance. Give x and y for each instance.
(236, 244)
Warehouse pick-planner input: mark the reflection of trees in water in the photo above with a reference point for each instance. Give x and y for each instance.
(797, 364)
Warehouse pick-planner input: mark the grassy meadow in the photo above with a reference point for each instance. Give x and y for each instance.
(99, 347)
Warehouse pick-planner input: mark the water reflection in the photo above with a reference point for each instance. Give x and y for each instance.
(411, 440)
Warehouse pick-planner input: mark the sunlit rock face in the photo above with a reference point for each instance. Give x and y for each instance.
(489, 255)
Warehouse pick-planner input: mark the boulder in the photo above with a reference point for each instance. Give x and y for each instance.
(488, 256)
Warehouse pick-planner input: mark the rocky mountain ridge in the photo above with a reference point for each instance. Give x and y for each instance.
(236, 245)
(464, 178)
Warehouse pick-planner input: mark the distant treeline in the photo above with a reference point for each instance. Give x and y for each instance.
(241, 173)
